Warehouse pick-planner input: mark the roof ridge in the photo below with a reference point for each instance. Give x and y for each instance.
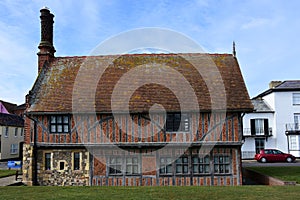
(143, 54)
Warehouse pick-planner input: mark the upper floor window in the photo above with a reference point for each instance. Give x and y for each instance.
(296, 98)
(259, 127)
(22, 132)
(177, 122)
(59, 124)
(16, 132)
(6, 131)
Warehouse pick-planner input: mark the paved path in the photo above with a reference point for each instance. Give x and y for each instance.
(9, 180)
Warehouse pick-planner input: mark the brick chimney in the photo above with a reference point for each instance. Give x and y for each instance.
(47, 50)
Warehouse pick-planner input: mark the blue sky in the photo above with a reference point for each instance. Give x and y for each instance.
(266, 33)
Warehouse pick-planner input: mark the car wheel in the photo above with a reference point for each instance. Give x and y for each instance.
(263, 160)
(289, 159)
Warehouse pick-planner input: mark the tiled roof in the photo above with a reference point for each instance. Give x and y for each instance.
(284, 86)
(58, 83)
(11, 120)
(292, 84)
(261, 106)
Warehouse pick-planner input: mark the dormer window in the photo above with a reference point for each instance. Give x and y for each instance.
(177, 122)
(59, 123)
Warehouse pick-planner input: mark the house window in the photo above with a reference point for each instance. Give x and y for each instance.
(221, 164)
(297, 121)
(6, 132)
(294, 142)
(76, 161)
(259, 127)
(59, 124)
(201, 165)
(177, 122)
(121, 165)
(182, 165)
(296, 98)
(47, 161)
(61, 165)
(115, 165)
(22, 131)
(259, 144)
(132, 166)
(165, 167)
(14, 149)
(16, 132)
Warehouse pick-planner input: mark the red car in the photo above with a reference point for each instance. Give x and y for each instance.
(273, 155)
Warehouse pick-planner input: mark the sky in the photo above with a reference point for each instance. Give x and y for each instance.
(266, 33)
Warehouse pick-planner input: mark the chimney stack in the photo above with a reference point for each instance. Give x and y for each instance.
(47, 50)
(274, 84)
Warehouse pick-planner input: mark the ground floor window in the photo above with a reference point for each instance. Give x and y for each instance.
(47, 161)
(14, 149)
(123, 165)
(76, 161)
(165, 166)
(259, 144)
(201, 165)
(221, 164)
(198, 165)
(182, 165)
(294, 142)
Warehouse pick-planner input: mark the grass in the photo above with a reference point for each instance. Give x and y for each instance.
(155, 193)
(5, 173)
(289, 173)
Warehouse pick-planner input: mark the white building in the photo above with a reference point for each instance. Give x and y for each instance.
(275, 122)
(11, 136)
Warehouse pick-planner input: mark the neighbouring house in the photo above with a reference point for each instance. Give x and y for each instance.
(11, 136)
(11, 108)
(258, 129)
(74, 137)
(276, 124)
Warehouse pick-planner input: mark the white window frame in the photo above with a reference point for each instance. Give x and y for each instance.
(296, 99)
(14, 149)
(259, 127)
(294, 142)
(6, 131)
(16, 132)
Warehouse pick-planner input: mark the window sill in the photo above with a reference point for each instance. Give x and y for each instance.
(176, 132)
(223, 174)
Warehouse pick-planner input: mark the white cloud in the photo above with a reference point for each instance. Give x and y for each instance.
(255, 22)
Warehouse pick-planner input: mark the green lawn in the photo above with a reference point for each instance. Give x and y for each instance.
(5, 173)
(282, 173)
(157, 193)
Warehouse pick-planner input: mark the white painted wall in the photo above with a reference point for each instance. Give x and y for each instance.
(249, 144)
